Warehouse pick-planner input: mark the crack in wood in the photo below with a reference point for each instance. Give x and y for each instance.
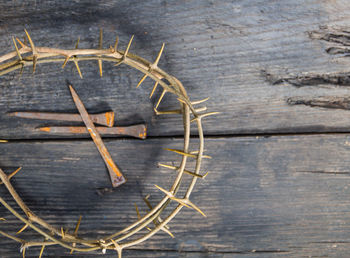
(323, 102)
(338, 36)
(339, 79)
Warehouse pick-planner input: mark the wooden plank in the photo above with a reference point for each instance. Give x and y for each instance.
(264, 196)
(232, 52)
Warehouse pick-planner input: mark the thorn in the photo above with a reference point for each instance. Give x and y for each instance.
(24, 252)
(185, 202)
(17, 51)
(76, 232)
(139, 215)
(128, 47)
(187, 154)
(35, 58)
(155, 64)
(116, 44)
(22, 229)
(199, 117)
(77, 44)
(77, 226)
(185, 171)
(137, 211)
(2, 219)
(12, 174)
(41, 251)
(160, 98)
(100, 47)
(119, 63)
(154, 89)
(199, 101)
(158, 220)
(21, 43)
(75, 61)
(3, 141)
(169, 112)
(30, 40)
(35, 54)
(142, 79)
(65, 61)
(25, 41)
(21, 71)
(101, 38)
(77, 66)
(62, 232)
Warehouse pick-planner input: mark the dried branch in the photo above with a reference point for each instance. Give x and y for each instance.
(24, 56)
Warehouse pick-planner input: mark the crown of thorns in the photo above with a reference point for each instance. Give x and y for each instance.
(146, 226)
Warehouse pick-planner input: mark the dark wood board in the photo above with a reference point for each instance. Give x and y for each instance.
(274, 196)
(248, 56)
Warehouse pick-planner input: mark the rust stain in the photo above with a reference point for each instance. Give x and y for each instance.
(45, 129)
(109, 118)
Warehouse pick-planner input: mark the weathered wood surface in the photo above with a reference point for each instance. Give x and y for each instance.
(235, 53)
(271, 67)
(275, 196)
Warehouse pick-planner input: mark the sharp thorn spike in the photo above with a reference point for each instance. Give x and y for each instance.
(166, 230)
(78, 69)
(185, 171)
(30, 41)
(160, 99)
(119, 63)
(147, 202)
(41, 251)
(17, 51)
(100, 66)
(35, 58)
(201, 109)
(199, 117)
(128, 47)
(142, 79)
(187, 154)
(21, 43)
(192, 205)
(62, 232)
(76, 232)
(12, 174)
(169, 112)
(199, 101)
(77, 44)
(77, 226)
(137, 211)
(154, 89)
(158, 220)
(22, 229)
(155, 64)
(2, 219)
(100, 39)
(65, 61)
(116, 44)
(24, 253)
(100, 47)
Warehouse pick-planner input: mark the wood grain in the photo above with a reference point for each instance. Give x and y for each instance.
(217, 49)
(263, 197)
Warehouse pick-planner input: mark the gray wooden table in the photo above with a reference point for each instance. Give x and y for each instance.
(277, 70)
